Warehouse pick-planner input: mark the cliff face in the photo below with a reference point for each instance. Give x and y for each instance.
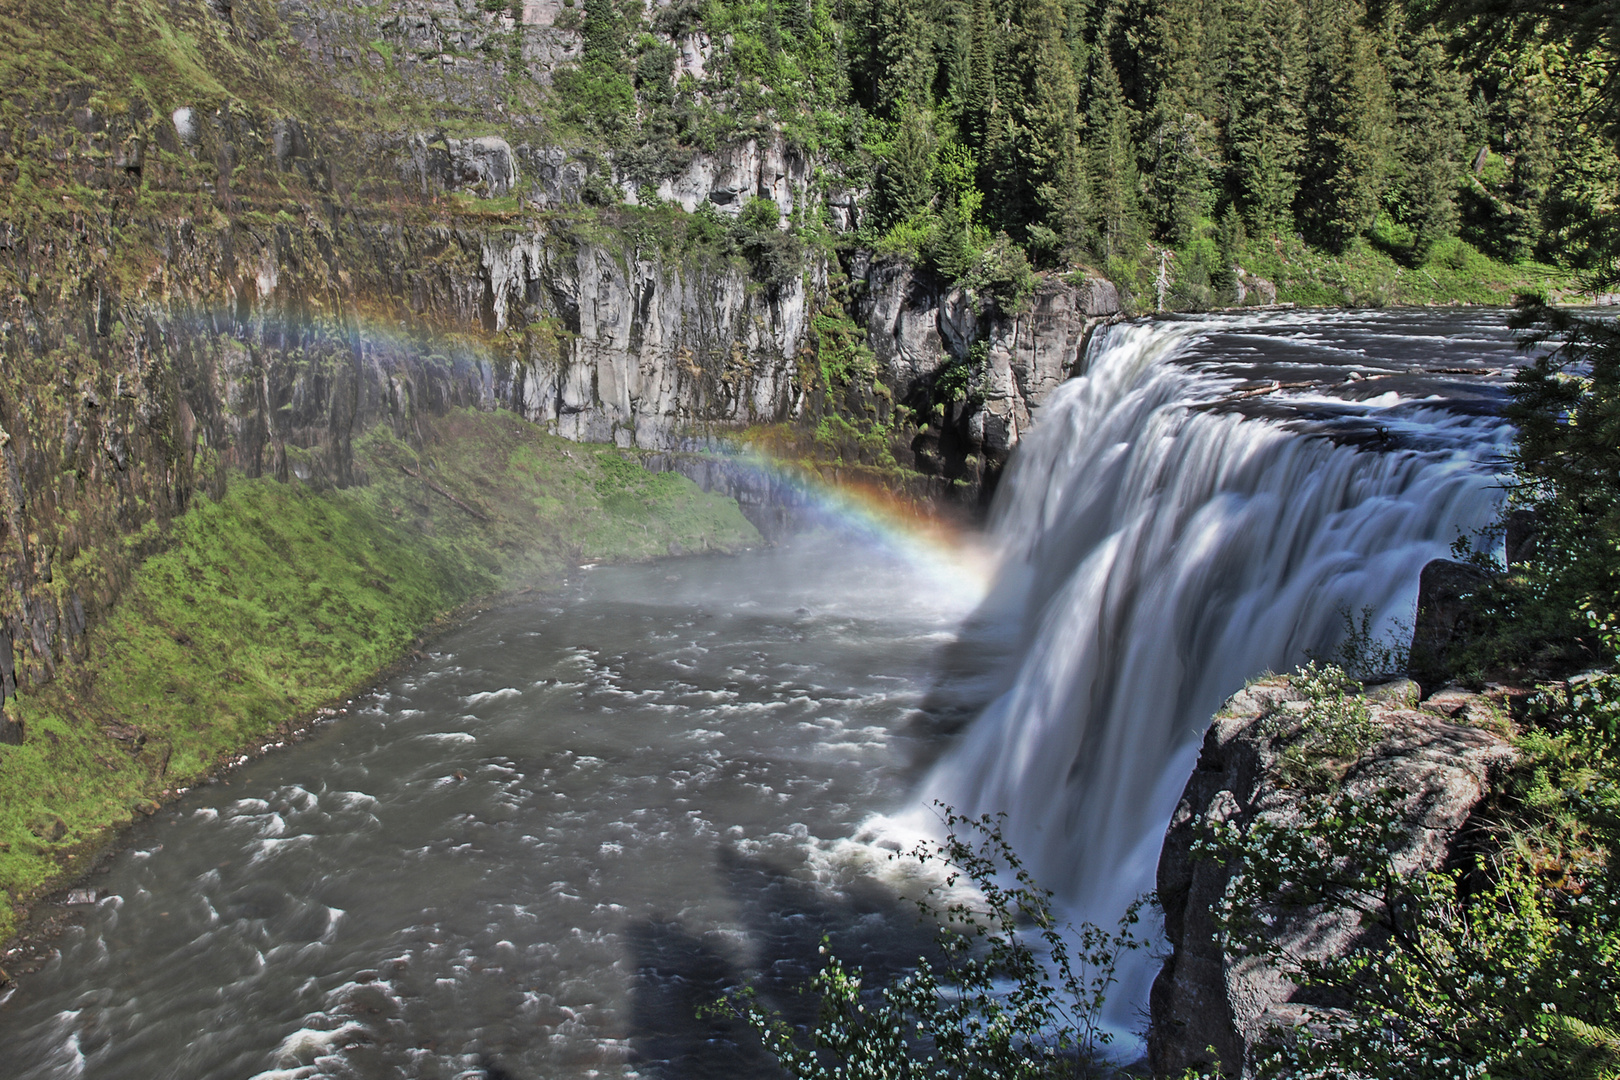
(115, 414)
(1434, 755)
(302, 221)
(917, 326)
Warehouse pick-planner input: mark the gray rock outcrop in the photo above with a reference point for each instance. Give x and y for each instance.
(1204, 997)
(1445, 615)
(916, 325)
(1252, 290)
(485, 166)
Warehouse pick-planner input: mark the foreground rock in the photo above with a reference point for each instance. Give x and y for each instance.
(1446, 617)
(1204, 999)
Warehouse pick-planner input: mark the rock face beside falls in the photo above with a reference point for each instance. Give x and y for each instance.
(1433, 753)
(258, 284)
(916, 324)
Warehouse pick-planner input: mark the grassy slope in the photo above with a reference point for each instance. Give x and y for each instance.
(1369, 276)
(278, 599)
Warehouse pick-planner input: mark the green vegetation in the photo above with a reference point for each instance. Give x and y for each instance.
(1508, 967)
(1006, 997)
(1330, 734)
(1367, 274)
(1348, 152)
(277, 599)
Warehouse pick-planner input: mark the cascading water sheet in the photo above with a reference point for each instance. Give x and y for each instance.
(1163, 546)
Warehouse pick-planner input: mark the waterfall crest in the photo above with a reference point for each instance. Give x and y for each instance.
(1160, 554)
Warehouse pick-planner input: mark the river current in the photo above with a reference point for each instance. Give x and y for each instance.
(538, 852)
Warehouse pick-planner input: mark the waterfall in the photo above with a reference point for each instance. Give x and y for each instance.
(1159, 554)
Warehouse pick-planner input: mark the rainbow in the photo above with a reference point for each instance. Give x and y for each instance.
(868, 513)
(959, 557)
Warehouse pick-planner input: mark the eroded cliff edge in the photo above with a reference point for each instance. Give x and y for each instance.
(1443, 757)
(243, 243)
(239, 236)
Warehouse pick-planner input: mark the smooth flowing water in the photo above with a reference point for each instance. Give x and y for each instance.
(1211, 499)
(537, 853)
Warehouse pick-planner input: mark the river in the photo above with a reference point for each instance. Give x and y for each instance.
(538, 852)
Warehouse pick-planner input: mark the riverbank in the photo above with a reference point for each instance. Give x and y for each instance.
(277, 600)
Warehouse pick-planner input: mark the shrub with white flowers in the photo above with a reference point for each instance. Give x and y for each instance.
(1512, 970)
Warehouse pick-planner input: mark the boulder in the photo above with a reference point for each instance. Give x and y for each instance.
(1204, 998)
(1253, 291)
(485, 164)
(1444, 616)
(1096, 296)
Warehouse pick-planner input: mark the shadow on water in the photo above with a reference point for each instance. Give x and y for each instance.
(784, 918)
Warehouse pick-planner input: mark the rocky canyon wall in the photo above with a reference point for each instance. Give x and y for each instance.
(207, 282)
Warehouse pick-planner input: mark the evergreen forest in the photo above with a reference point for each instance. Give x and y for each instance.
(1155, 140)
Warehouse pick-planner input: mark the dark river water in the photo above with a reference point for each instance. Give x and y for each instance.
(539, 852)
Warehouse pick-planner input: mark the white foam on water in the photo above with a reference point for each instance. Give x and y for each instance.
(448, 737)
(485, 696)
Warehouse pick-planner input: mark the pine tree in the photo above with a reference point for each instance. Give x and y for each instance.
(983, 58)
(603, 35)
(1265, 111)
(1430, 99)
(1110, 156)
(902, 55)
(1348, 135)
(1181, 143)
(770, 30)
(906, 185)
(1077, 17)
(1032, 144)
(794, 16)
(1530, 147)
(955, 85)
(1052, 120)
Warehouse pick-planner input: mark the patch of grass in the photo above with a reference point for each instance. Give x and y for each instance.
(1368, 275)
(278, 598)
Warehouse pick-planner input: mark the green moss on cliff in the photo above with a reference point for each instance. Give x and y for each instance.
(278, 598)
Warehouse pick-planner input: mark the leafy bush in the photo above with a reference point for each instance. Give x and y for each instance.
(1510, 967)
(960, 378)
(1365, 654)
(1002, 273)
(1333, 729)
(1006, 998)
(599, 191)
(1514, 980)
(776, 257)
